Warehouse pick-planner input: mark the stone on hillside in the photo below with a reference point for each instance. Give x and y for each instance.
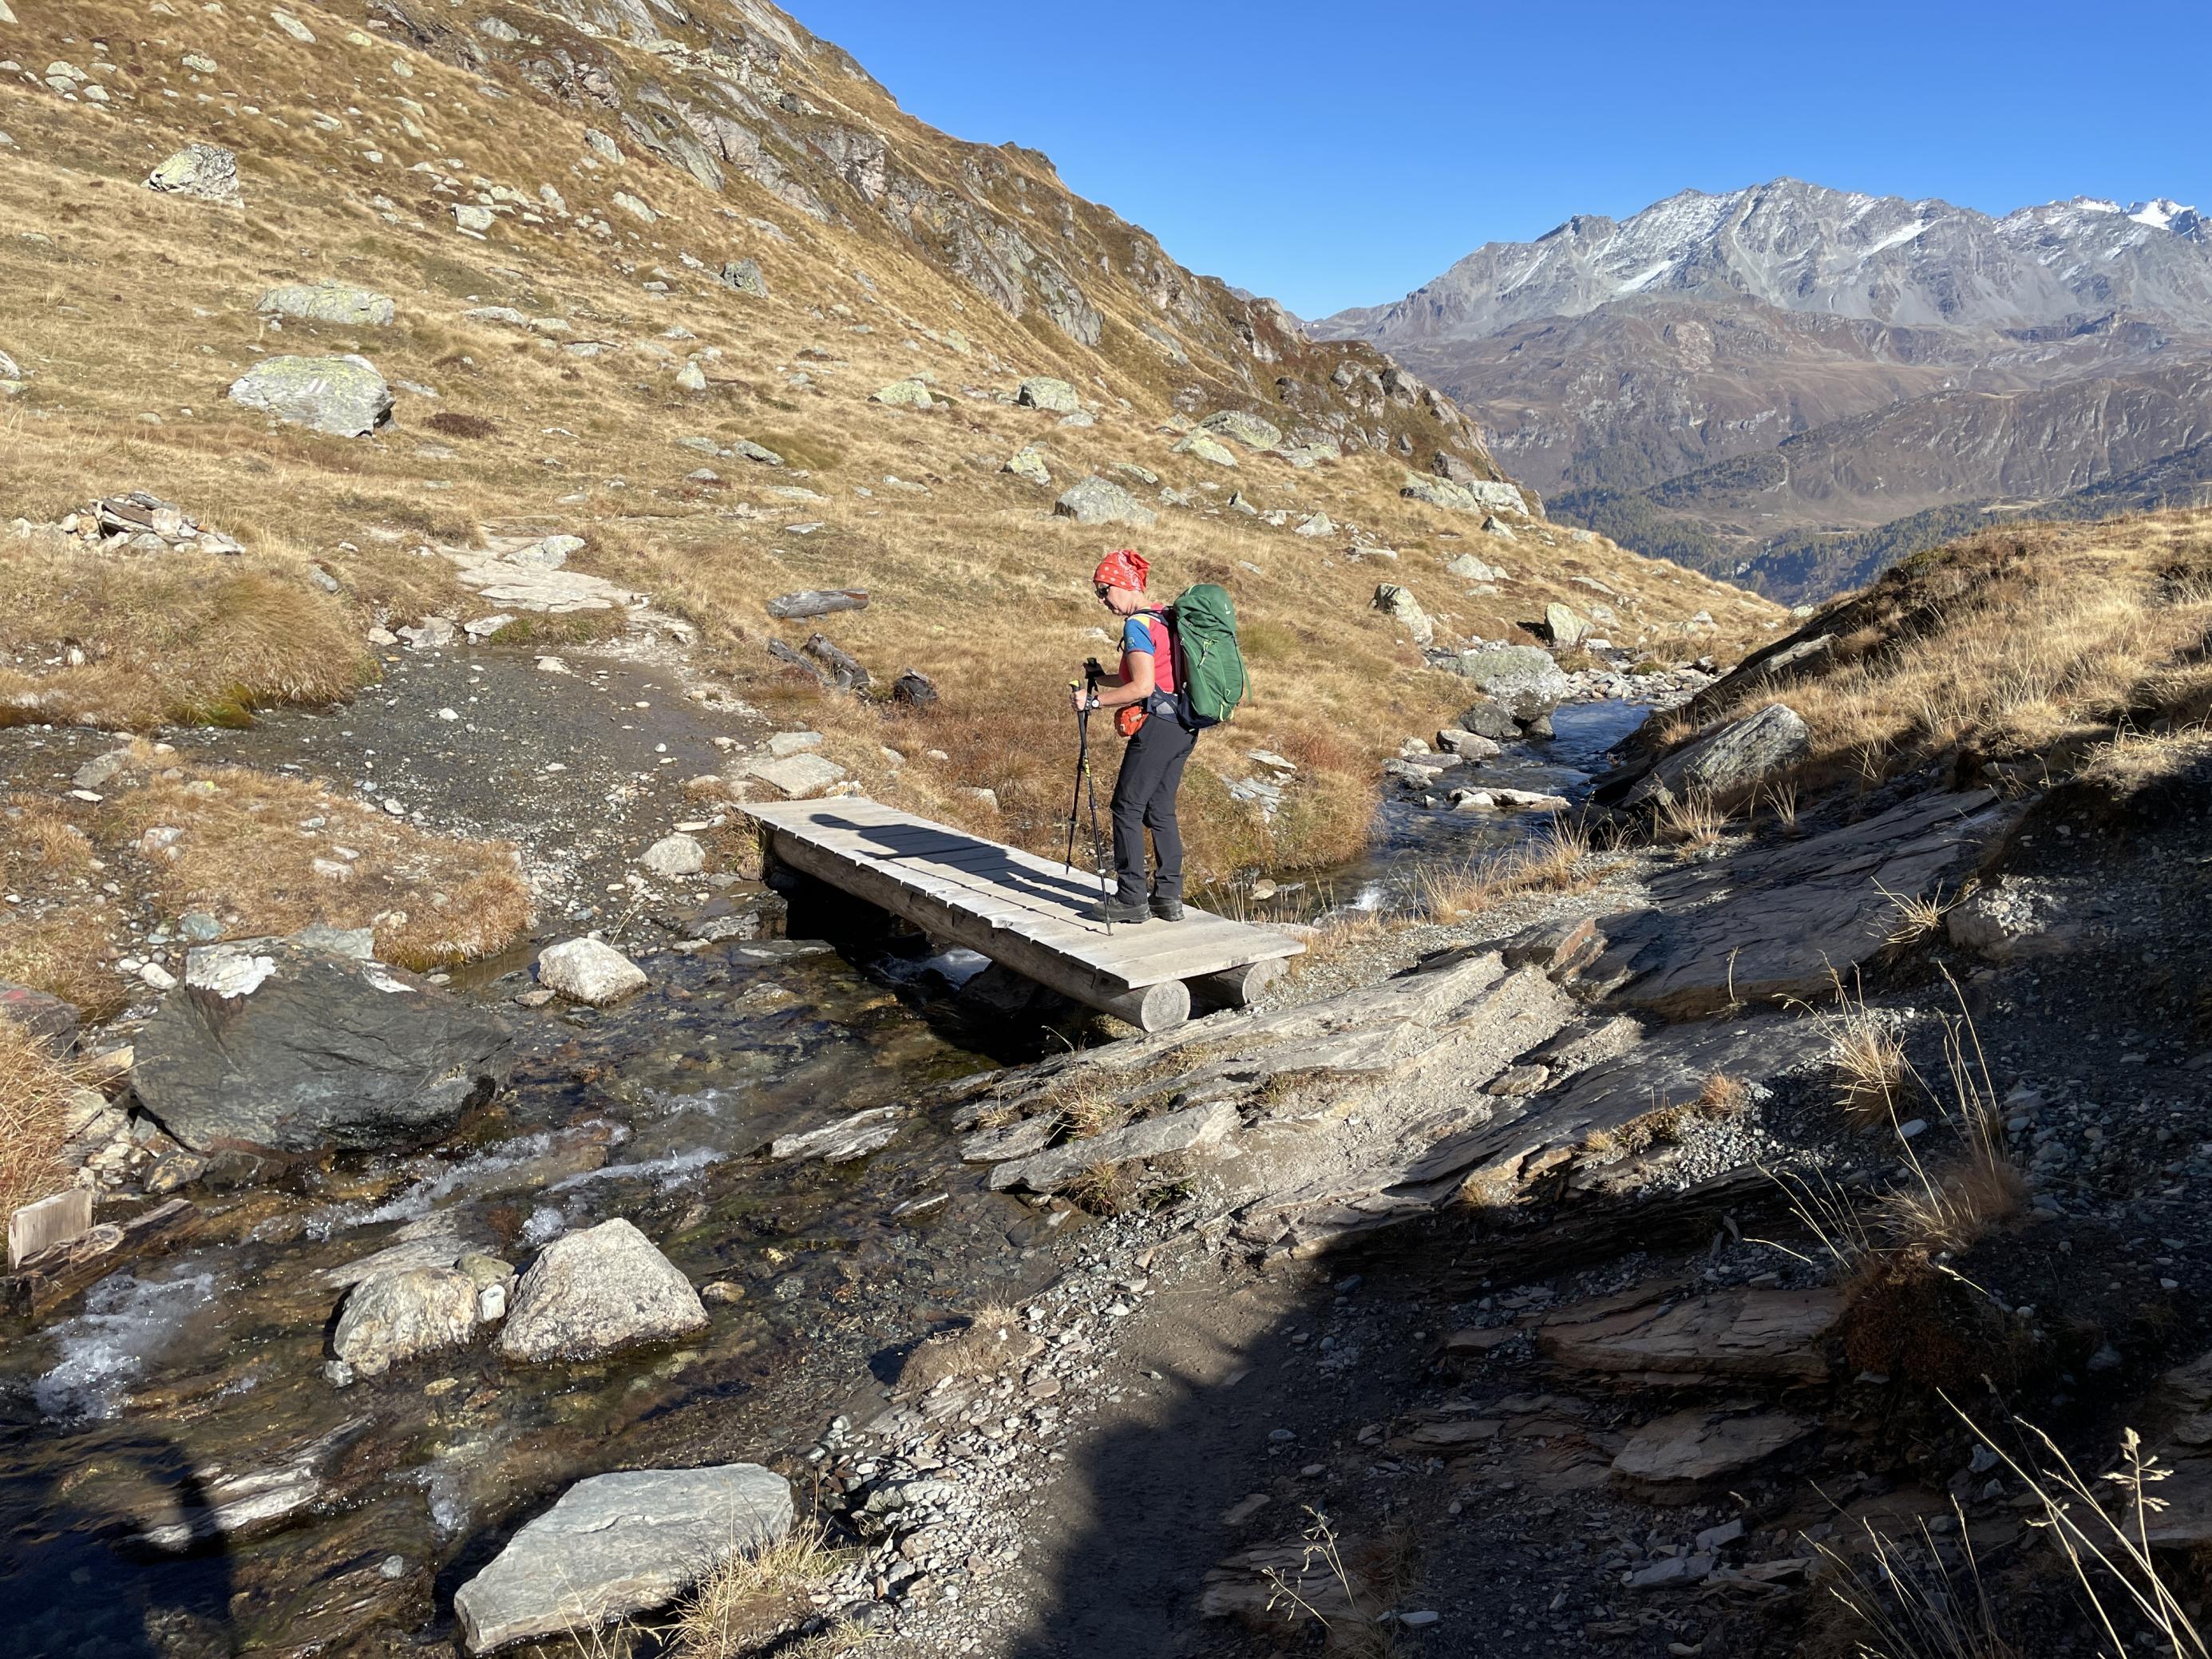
(796, 777)
(10, 368)
(327, 302)
(551, 554)
(744, 276)
(1477, 497)
(1566, 630)
(1100, 500)
(391, 1317)
(472, 217)
(1027, 465)
(285, 1045)
(753, 451)
(1405, 611)
(914, 689)
(1676, 1459)
(343, 396)
(1730, 760)
(49, 1020)
(1314, 523)
(674, 855)
(1053, 396)
(1238, 504)
(591, 1292)
(1250, 430)
(1522, 679)
(818, 602)
(1451, 468)
(1203, 446)
(588, 970)
(206, 171)
(906, 394)
(1497, 527)
(691, 377)
(619, 1543)
(1467, 567)
(1081, 417)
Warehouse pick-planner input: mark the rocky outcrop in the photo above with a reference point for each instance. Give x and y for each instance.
(1250, 430)
(274, 1045)
(1042, 392)
(1404, 610)
(1730, 762)
(327, 302)
(594, 1291)
(344, 397)
(620, 1544)
(1101, 501)
(206, 171)
(1484, 496)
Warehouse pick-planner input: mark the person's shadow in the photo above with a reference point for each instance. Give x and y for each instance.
(78, 1580)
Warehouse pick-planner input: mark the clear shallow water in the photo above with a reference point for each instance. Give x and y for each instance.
(179, 1373)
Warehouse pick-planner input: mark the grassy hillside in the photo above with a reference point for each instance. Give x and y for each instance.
(618, 174)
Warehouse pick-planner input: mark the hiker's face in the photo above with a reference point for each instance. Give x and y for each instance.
(1121, 601)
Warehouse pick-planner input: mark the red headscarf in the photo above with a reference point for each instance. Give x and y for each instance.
(1126, 567)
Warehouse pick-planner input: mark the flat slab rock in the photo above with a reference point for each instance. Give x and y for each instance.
(1779, 922)
(1176, 1131)
(847, 1138)
(620, 1544)
(1676, 1458)
(1771, 1335)
(521, 584)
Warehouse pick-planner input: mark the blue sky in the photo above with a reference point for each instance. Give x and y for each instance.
(1341, 154)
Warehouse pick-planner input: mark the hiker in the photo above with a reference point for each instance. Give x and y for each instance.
(1147, 713)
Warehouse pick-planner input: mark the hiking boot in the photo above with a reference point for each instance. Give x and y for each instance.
(1167, 909)
(1115, 910)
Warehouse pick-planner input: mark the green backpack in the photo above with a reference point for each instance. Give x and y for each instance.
(1210, 679)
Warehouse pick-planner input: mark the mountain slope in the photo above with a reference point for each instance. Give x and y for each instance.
(620, 245)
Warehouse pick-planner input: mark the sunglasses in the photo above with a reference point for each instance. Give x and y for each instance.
(1102, 591)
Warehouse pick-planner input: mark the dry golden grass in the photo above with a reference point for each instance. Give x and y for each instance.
(249, 855)
(1560, 859)
(1690, 821)
(34, 1092)
(1872, 1075)
(2027, 647)
(755, 1598)
(54, 937)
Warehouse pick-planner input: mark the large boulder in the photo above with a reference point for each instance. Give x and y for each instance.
(1204, 446)
(1521, 679)
(343, 396)
(282, 1045)
(588, 970)
(1100, 500)
(907, 394)
(326, 302)
(1482, 497)
(596, 1291)
(390, 1317)
(1249, 431)
(1731, 760)
(206, 171)
(620, 1544)
(1404, 610)
(1565, 629)
(1028, 464)
(1054, 396)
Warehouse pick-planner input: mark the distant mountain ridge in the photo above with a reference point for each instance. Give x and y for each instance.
(1872, 344)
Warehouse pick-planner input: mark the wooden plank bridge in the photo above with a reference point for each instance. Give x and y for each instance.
(1019, 909)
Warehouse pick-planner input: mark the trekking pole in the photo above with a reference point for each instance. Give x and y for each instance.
(1085, 785)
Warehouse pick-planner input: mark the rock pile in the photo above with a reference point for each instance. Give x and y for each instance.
(141, 522)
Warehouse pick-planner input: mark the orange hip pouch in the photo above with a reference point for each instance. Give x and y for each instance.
(1128, 718)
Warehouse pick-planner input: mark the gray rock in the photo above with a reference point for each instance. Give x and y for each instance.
(753, 451)
(1730, 761)
(1567, 629)
(592, 1292)
(620, 1544)
(1314, 523)
(343, 396)
(1249, 431)
(849, 1138)
(1027, 465)
(1405, 611)
(1467, 567)
(1176, 1131)
(1100, 500)
(1204, 447)
(914, 689)
(327, 302)
(49, 1019)
(1477, 497)
(818, 602)
(270, 1044)
(392, 1317)
(589, 970)
(1522, 679)
(1675, 1459)
(1054, 396)
(691, 377)
(1487, 719)
(206, 171)
(551, 554)
(470, 216)
(906, 394)
(674, 855)
(1497, 527)
(796, 777)
(2012, 917)
(743, 276)
(1468, 745)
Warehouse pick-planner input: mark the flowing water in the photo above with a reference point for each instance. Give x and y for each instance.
(187, 1384)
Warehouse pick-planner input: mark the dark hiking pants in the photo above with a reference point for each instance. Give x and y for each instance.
(1145, 798)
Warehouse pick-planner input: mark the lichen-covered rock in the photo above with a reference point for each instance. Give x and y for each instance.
(1481, 496)
(206, 171)
(1054, 396)
(1521, 679)
(907, 394)
(744, 276)
(596, 1291)
(327, 302)
(1404, 610)
(1249, 431)
(343, 396)
(1732, 759)
(1202, 447)
(1101, 501)
(1028, 464)
(392, 1317)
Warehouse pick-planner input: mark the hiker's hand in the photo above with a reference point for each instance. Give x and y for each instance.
(1078, 698)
